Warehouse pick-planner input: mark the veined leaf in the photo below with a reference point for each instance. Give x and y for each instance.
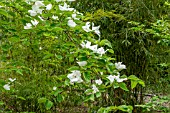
(122, 85)
(133, 84)
(48, 105)
(3, 12)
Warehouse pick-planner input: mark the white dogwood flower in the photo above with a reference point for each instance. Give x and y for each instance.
(49, 7)
(6, 87)
(34, 22)
(75, 76)
(82, 63)
(86, 45)
(94, 48)
(65, 7)
(87, 27)
(120, 66)
(54, 88)
(95, 89)
(12, 80)
(32, 12)
(96, 29)
(55, 17)
(71, 23)
(28, 26)
(74, 16)
(111, 78)
(39, 3)
(98, 82)
(117, 78)
(101, 51)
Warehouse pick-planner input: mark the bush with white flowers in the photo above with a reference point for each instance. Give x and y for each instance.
(56, 43)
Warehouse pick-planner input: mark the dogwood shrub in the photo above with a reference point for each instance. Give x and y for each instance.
(51, 45)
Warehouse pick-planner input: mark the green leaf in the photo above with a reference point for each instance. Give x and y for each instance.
(48, 105)
(105, 42)
(73, 68)
(42, 100)
(57, 92)
(125, 108)
(14, 39)
(58, 29)
(141, 82)
(111, 51)
(48, 56)
(89, 97)
(22, 98)
(60, 98)
(19, 71)
(1, 103)
(133, 84)
(133, 77)
(98, 94)
(122, 85)
(3, 12)
(87, 76)
(59, 57)
(88, 91)
(103, 110)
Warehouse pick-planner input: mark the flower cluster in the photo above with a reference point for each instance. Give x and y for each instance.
(37, 8)
(29, 25)
(75, 76)
(117, 78)
(7, 86)
(95, 29)
(65, 7)
(120, 66)
(87, 44)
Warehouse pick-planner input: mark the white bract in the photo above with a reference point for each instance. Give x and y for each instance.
(82, 63)
(121, 79)
(111, 78)
(39, 3)
(55, 17)
(98, 82)
(32, 12)
(12, 80)
(65, 7)
(95, 89)
(6, 87)
(87, 27)
(101, 51)
(28, 26)
(74, 16)
(40, 48)
(75, 76)
(34, 22)
(40, 18)
(120, 66)
(86, 45)
(96, 29)
(94, 48)
(36, 8)
(49, 7)
(117, 78)
(54, 88)
(71, 23)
